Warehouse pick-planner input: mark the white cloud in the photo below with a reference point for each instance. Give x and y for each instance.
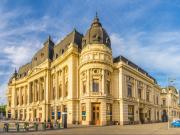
(18, 55)
(154, 51)
(3, 88)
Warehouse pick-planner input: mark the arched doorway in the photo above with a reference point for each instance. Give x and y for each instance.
(141, 115)
(164, 116)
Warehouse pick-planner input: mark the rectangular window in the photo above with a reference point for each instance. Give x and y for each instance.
(157, 100)
(52, 113)
(139, 93)
(108, 87)
(17, 100)
(147, 96)
(164, 102)
(58, 112)
(109, 113)
(59, 115)
(60, 90)
(95, 85)
(42, 93)
(83, 107)
(131, 112)
(84, 87)
(129, 90)
(66, 89)
(53, 93)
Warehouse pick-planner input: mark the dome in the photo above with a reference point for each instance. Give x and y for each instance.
(96, 34)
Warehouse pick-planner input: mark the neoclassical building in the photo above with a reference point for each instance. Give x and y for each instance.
(169, 100)
(80, 76)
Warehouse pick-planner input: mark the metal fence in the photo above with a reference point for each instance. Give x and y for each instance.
(31, 126)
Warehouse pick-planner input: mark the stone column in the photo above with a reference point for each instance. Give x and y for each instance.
(47, 92)
(55, 112)
(121, 113)
(88, 112)
(33, 89)
(103, 81)
(135, 89)
(35, 84)
(63, 83)
(144, 89)
(18, 114)
(56, 85)
(37, 89)
(14, 101)
(103, 112)
(88, 82)
(24, 96)
(43, 87)
(40, 89)
(20, 95)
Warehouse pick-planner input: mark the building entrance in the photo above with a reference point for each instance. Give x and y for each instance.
(96, 113)
(141, 115)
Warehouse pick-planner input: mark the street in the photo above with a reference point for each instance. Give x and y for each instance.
(145, 129)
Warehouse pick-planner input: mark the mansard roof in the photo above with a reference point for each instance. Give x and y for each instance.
(22, 72)
(24, 69)
(50, 51)
(73, 37)
(133, 65)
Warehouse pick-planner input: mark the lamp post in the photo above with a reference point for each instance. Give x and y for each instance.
(170, 82)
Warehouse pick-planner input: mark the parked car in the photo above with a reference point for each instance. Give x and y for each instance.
(175, 123)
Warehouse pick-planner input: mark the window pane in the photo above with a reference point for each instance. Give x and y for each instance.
(95, 85)
(129, 91)
(108, 87)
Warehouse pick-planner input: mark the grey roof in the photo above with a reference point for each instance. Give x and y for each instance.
(49, 51)
(130, 63)
(23, 70)
(96, 34)
(62, 46)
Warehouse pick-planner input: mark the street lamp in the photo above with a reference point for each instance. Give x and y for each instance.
(170, 82)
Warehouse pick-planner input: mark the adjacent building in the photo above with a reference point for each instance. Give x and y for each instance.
(170, 103)
(79, 76)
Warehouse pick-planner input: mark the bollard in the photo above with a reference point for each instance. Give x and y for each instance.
(64, 119)
(17, 127)
(6, 127)
(44, 126)
(26, 125)
(59, 125)
(51, 125)
(36, 126)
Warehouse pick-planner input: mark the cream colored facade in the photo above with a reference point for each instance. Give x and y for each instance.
(80, 76)
(169, 100)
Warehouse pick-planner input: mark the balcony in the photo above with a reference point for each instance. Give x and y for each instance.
(95, 93)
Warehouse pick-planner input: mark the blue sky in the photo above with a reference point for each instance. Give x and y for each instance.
(146, 32)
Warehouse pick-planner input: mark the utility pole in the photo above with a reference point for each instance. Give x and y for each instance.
(170, 82)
